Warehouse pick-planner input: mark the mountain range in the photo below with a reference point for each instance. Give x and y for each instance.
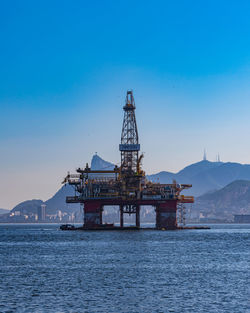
(205, 176)
(213, 183)
(224, 203)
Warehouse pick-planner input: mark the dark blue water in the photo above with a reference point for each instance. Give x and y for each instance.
(43, 269)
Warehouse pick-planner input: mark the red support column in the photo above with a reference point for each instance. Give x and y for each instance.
(92, 214)
(121, 215)
(137, 218)
(166, 215)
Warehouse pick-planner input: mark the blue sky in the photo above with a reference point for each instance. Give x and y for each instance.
(66, 66)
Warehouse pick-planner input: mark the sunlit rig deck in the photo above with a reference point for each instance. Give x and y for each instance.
(126, 186)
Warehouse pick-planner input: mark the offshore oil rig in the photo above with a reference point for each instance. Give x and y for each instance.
(126, 186)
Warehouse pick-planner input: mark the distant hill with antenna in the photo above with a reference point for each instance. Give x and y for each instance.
(205, 176)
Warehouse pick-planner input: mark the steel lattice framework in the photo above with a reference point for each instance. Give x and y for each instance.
(129, 146)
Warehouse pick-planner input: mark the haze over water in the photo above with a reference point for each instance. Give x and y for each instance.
(47, 270)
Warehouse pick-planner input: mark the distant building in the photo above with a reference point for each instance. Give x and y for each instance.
(41, 213)
(205, 155)
(59, 214)
(242, 218)
(72, 217)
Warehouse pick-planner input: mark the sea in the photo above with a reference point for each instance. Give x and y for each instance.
(44, 269)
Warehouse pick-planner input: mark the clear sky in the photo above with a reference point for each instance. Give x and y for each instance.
(65, 67)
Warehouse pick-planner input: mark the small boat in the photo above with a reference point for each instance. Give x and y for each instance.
(67, 227)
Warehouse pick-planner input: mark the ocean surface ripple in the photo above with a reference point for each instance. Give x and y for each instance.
(43, 269)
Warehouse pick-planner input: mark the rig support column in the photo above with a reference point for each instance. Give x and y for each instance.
(137, 218)
(121, 215)
(166, 215)
(92, 214)
(101, 211)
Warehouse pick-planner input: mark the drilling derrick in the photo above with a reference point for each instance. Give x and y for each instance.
(130, 161)
(130, 173)
(125, 186)
(129, 146)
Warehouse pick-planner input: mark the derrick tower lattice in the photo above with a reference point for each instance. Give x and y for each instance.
(129, 146)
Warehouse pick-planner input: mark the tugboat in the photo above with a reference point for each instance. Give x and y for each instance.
(67, 227)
